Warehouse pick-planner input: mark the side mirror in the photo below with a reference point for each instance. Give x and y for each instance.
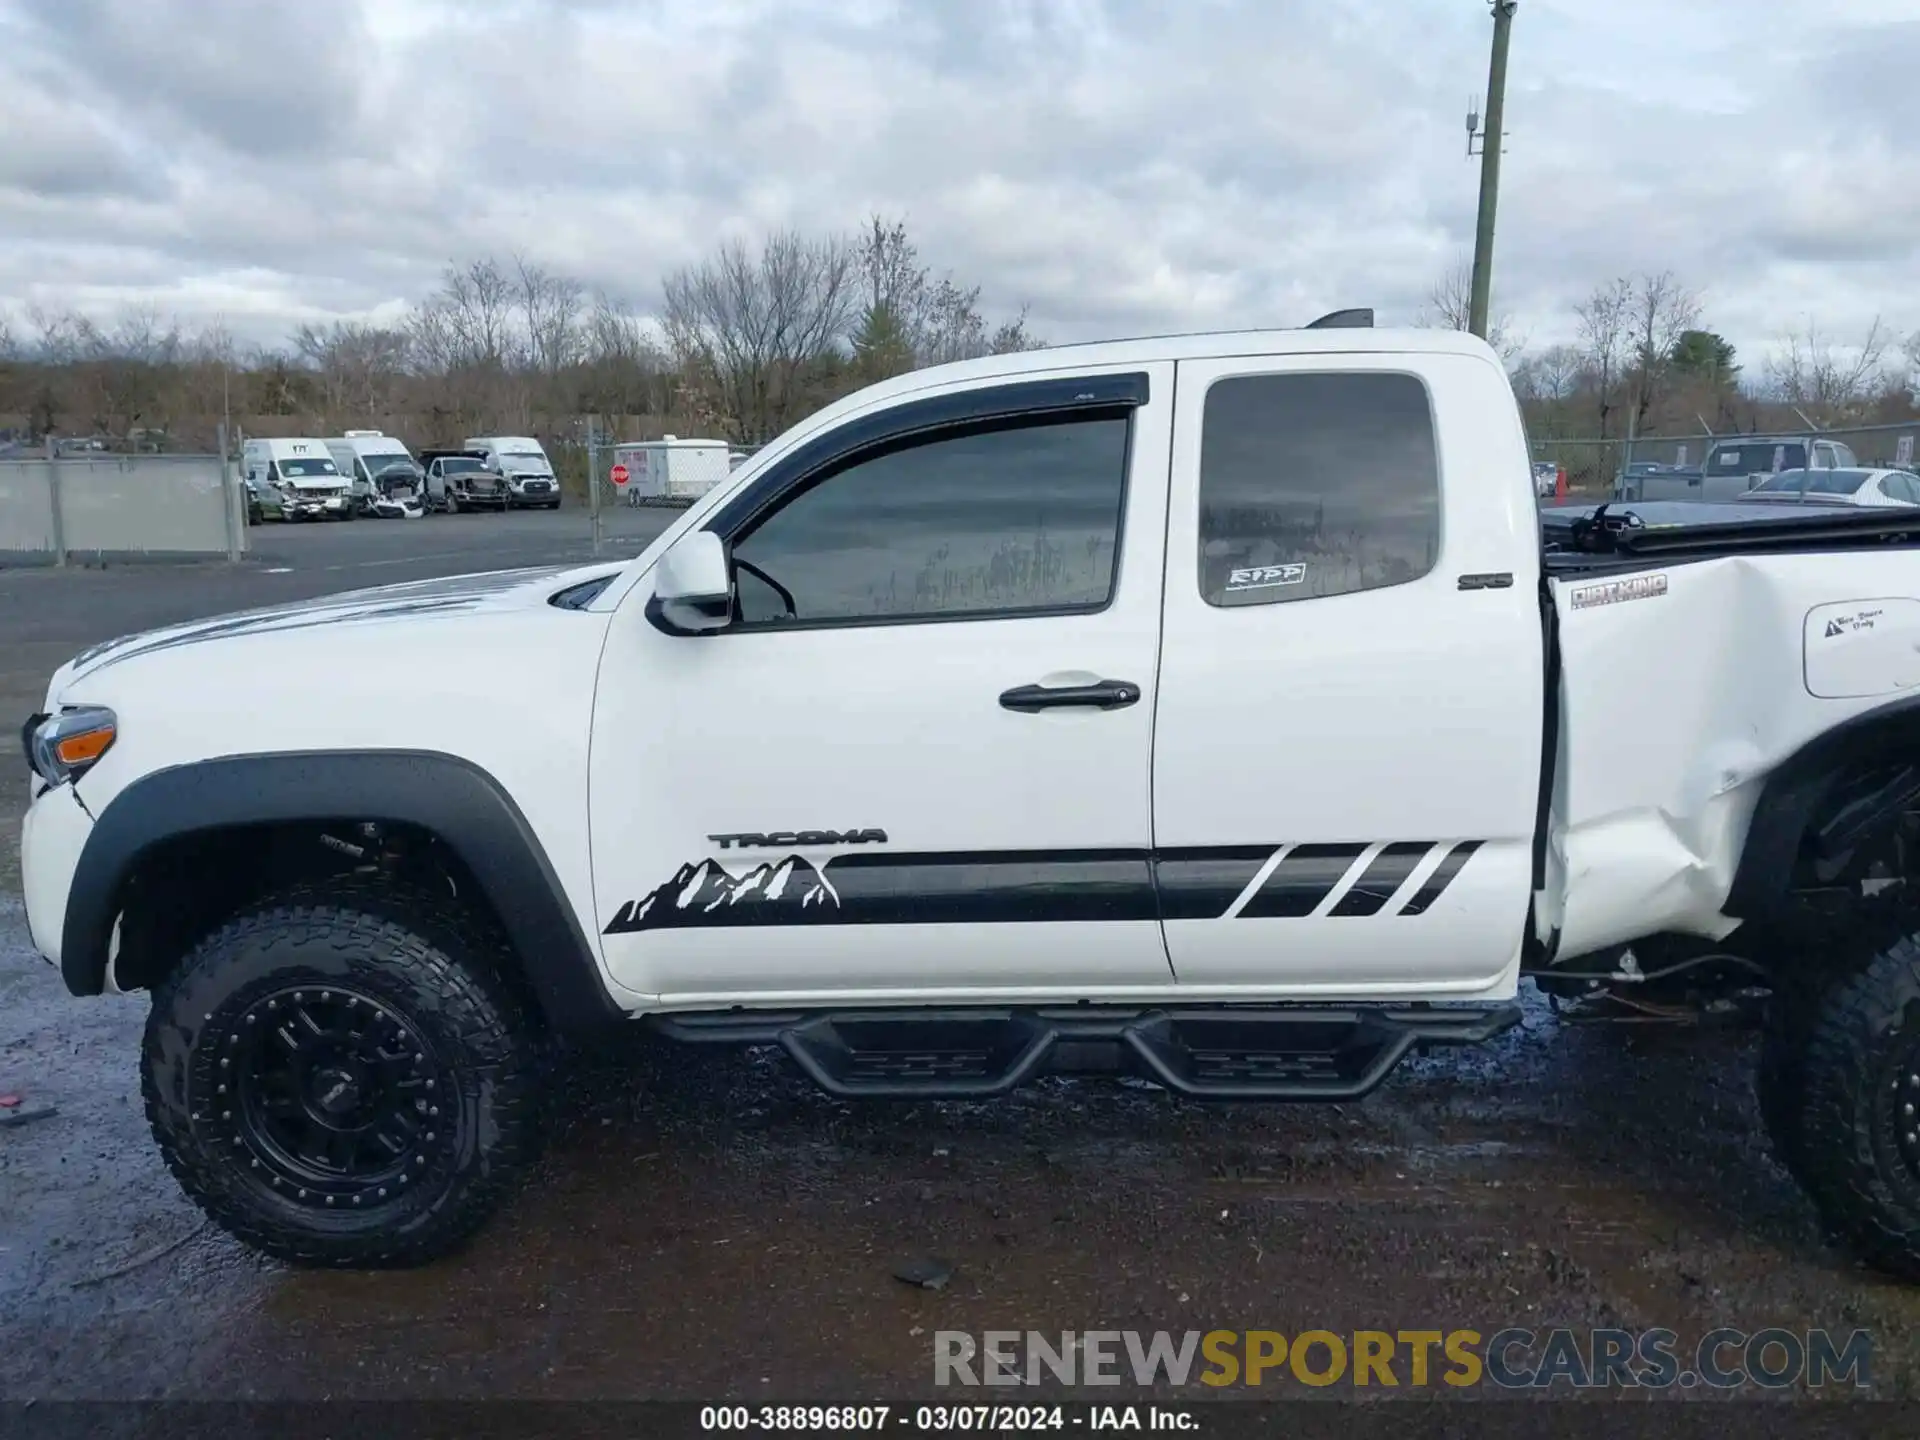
(693, 586)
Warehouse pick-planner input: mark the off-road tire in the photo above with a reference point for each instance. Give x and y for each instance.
(1858, 1121)
(1808, 955)
(417, 960)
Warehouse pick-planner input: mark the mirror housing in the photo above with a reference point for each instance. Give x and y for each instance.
(693, 586)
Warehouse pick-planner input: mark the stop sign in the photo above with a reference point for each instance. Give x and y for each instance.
(619, 474)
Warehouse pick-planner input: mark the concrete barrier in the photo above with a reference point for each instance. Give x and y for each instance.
(120, 506)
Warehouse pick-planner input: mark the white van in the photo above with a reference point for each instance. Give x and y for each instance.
(297, 477)
(363, 454)
(528, 472)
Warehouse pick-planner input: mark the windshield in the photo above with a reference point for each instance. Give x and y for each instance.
(1824, 482)
(376, 463)
(1757, 459)
(294, 469)
(526, 459)
(460, 465)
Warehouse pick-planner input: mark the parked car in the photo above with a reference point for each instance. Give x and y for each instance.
(524, 465)
(1546, 478)
(1205, 708)
(1839, 487)
(459, 480)
(263, 499)
(1732, 467)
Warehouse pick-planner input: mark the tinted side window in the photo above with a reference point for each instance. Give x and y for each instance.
(1316, 485)
(993, 521)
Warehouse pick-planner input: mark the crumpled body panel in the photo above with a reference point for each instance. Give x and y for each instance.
(1683, 687)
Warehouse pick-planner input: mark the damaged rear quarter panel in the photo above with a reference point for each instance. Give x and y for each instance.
(1678, 699)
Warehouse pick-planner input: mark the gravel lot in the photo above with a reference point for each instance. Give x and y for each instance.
(705, 1226)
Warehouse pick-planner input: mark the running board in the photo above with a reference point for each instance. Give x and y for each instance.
(1229, 1053)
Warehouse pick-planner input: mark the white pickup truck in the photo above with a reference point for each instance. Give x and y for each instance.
(1205, 708)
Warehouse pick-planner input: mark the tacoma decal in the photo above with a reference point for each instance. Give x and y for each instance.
(1639, 587)
(798, 839)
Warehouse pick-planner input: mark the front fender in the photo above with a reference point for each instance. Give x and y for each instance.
(455, 800)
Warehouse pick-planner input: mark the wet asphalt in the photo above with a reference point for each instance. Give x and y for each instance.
(703, 1225)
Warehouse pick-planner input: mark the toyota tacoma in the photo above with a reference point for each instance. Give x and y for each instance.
(1207, 709)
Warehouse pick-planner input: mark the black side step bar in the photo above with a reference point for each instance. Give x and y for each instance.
(1290, 1052)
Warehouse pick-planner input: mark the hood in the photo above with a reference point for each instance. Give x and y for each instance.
(386, 604)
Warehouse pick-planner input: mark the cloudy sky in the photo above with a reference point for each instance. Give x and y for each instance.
(1120, 166)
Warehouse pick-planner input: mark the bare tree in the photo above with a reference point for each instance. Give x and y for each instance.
(625, 368)
(750, 326)
(911, 318)
(358, 365)
(56, 334)
(1550, 376)
(549, 316)
(9, 347)
(1663, 310)
(1829, 383)
(1450, 307)
(477, 308)
(1606, 327)
(1910, 351)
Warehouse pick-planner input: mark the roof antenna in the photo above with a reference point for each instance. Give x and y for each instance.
(1344, 320)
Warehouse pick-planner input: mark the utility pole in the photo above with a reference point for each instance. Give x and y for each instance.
(1491, 139)
(593, 481)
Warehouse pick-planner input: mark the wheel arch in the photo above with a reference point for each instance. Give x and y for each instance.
(1804, 792)
(450, 799)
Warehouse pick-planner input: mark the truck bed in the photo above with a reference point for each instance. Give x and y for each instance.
(1694, 648)
(1579, 537)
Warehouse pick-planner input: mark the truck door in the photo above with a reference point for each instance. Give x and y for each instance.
(1348, 741)
(917, 760)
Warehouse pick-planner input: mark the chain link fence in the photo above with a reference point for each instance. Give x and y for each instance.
(1667, 466)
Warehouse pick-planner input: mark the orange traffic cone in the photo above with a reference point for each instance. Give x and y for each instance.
(1560, 485)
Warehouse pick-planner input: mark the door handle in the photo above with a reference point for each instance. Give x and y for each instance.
(1101, 695)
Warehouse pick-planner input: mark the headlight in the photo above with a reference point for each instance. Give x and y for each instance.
(65, 746)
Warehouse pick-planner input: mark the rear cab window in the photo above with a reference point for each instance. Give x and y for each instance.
(1316, 485)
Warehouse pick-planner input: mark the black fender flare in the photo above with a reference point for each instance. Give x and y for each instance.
(458, 802)
(1794, 792)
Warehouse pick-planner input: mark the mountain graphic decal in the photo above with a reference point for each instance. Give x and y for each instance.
(792, 891)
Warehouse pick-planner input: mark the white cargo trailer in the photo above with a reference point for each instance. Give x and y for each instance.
(672, 469)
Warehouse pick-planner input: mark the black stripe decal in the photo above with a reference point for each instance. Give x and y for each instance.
(999, 886)
(1200, 882)
(1384, 877)
(1301, 881)
(1441, 878)
(957, 888)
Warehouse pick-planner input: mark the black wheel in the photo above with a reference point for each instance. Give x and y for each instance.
(343, 1076)
(453, 503)
(1854, 1123)
(254, 516)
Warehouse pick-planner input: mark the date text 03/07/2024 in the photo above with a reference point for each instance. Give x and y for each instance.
(940, 1418)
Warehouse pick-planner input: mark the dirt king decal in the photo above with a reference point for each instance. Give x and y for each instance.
(1613, 592)
(798, 839)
